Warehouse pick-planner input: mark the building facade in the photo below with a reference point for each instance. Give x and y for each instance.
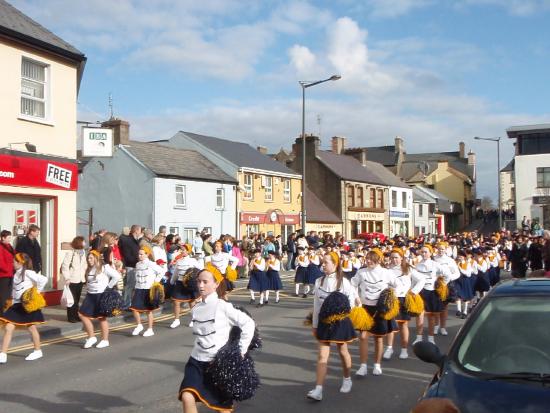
(507, 187)
(40, 76)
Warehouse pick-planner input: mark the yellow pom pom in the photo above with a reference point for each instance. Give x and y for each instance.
(414, 304)
(156, 291)
(7, 304)
(392, 304)
(361, 319)
(231, 274)
(32, 300)
(441, 289)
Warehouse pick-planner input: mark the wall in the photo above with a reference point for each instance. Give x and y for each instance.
(58, 135)
(507, 195)
(119, 190)
(449, 185)
(399, 208)
(200, 210)
(319, 227)
(421, 221)
(526, 185)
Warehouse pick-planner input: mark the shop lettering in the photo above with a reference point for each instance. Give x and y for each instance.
(98, 136)
(7, 174)
(253, 219)
(58, 176)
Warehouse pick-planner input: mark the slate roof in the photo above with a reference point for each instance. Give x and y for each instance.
(513, 130)
(386, 175)
(178, 163)
(382, 154)
(421, 197)
(239, 153)
(348, 168)
(509, 167)
(14, 23)
(317, 211)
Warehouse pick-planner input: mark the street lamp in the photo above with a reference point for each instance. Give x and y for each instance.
(305, 84)
(497, 140)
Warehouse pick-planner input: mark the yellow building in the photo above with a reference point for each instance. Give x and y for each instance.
(39, 78)
(268, 195)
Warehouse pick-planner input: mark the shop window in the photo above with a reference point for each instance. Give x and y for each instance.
(287, 195)
(180, 196)
(252, 229)
(543, 177)
(394, 199)
(268, 187)
(220, 199)
(34, 88)
(351, 196)
(248, 186)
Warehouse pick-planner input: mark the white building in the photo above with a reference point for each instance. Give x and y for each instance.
(532, 172)
(153, 185)
(507, 187)
(424, 219)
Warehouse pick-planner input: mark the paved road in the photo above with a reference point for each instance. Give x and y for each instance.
(143, 374)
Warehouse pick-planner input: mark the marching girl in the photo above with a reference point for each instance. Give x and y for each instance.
(99, 277)
(212, 321)
(223, 261)
(406, 279)
(432, 302)
(370, 282)
(443, 259)
(355, 263)
(147, 273)
(258, 279)
(313, 269)
(341, 334)
(181, 291)
(346, 265)
(273, 278)
(23, 279)
(494, 264)
(483, 284)
(302, 262)
(464, 286)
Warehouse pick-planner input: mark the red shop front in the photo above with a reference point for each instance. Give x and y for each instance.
(272, 222)
(40, 189)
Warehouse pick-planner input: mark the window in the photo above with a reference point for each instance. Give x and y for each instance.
(173, 230)
(248, 186)
(34, 88)
(188, 234)
(404, 199)
(372, 198)
(351, 196)
(252, 229)
(543, 177)
(359, 194)
(420, 210)
(220, 199)
(380, 199)
(394, 199)
(268, 186)
(287, 194)
(180, 196)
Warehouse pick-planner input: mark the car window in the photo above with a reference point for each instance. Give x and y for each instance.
(509, 335)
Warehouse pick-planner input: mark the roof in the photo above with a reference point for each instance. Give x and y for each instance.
(178, 163)
(16, 24)
(444, 204)
(386, 175)
(317, 211)
(239, 153)
(509, 167)
(382, 154)
(527, 128)
(422, 197)
(349, 168)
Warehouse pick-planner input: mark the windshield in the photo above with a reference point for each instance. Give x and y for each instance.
(510, 335)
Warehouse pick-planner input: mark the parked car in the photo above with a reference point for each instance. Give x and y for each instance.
(369, 236)
(500, 359)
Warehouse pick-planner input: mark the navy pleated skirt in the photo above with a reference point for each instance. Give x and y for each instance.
(141, 302)
(182, 293)
(274, 280)
(482, 283)
(464, 288)
(381, 327)
(339, 332)
(257, 281)
(17, 315)
(432, 302)
(301, 275)
(403, 313)
(313, 272)
(90, 306)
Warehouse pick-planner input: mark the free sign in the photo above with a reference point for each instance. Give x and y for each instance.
(58, 176)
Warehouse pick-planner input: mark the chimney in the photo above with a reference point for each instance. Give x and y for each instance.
(363, 157)
(399, 147)
(472, 163)
(462, 150)
(262, 150)
(338, 144)
(121, 130)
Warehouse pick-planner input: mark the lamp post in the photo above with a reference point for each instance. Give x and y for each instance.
(305, 84)
(497, 140)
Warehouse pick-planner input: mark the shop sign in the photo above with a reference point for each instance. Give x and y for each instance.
(19, 216)
(365, 216)
(252, 218)
(541, 200)
(31, 217)
(97, 142)
(37, 172)
(399, 214)
(270, 218)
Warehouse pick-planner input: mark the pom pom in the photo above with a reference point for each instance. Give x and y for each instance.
(32, 300)
(231, 273)
(7, 304)
(156, 294)
(110, 303)
(309, 319)
(190, 279)
(335, 304)
(414, 304)
(441, 289)
(388, 304)
(361, 319)
(235, 334)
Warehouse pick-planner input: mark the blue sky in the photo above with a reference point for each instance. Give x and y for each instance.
(433, 72)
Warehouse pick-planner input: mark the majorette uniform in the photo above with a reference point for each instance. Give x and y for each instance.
(181, 292)
(313, 270)
(473, 278)
(147, 273)
(454, 274)
(302, 261)
(494, 265)
(96, 284)
(212, 321)
(273, 278)
(23, 280)
(258, 279)
(339, 332)
(431, 270)
(370, 284)
(347, 268)
(464, 286)
(482, 283)
(221, 260)
(402, 283)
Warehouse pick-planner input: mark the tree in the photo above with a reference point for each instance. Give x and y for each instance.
(487, 203)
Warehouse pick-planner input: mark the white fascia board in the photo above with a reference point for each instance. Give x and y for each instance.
(272, 173)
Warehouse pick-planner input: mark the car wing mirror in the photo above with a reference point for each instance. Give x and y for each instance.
(429, 353)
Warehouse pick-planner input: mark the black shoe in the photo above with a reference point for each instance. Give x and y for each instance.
(304, 295)
(259, 305)
(296, 295)
(463, 316)
(252, 301)
(277, 301)
(458, 314)
(266, 302)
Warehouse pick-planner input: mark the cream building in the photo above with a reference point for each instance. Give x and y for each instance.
(39, 78)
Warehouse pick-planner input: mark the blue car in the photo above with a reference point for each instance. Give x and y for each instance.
(500, 359)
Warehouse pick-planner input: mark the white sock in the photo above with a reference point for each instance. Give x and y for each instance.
(318, 387)
(363, 365)
(419, 337)
(459, 306)
(261, 298)
(466, 307)
(267, 295)
(431, 338)
(306, 289)
(252, 295)
(277, 295)
(297, 289)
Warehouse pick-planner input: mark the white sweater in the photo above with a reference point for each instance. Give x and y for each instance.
(21, 285)
(108, 277)
(402, 283)
(147, 273)
(322, 291)
(371, 282)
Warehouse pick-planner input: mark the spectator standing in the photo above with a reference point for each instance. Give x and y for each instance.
(197, 244)
(535, 254)
(518, 258)
(6, 268)
(546, 250)
(73, 271)
(129, 249)
(206, 246)
(29, 245)
(96, 242)
(242, 265)
(291, 251)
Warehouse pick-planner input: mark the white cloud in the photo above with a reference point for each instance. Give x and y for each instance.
(395, 8)
(520, 8)
(301, 59)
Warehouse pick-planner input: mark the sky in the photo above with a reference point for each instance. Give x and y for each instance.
(435, 72)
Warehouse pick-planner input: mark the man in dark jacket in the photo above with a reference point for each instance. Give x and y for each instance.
(129, 249)
(29, 245)
(518, 258)
(291, 251)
